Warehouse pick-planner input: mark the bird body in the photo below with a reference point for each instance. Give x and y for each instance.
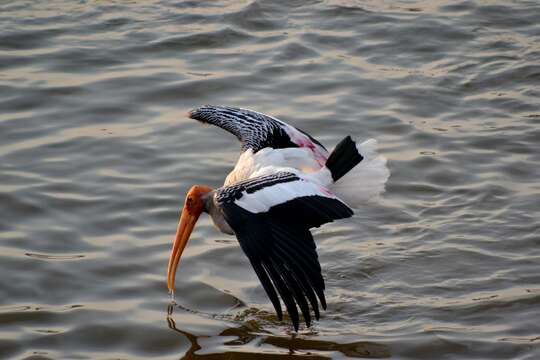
(270, 160)
(284, 183)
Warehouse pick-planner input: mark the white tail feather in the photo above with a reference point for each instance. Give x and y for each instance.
(366, 180)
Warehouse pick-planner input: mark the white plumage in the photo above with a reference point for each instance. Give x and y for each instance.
(364, 182)
(268, 197)
(268, 159)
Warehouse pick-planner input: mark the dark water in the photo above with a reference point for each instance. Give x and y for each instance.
(96, 153)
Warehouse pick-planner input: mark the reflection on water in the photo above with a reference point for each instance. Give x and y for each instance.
(96, 153)
(250, 336)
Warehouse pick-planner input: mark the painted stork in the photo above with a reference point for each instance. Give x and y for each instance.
(284, 183)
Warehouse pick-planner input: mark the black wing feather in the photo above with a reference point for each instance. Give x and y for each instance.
(300, 248)
(311, 211)
(284, 291)
(303, 281)
(268, 287)
(280, 246)
(254, 130)
(295, 288)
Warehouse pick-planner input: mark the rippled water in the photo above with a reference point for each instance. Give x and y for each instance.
(96, 153)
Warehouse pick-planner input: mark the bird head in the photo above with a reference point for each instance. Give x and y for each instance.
(193, 207)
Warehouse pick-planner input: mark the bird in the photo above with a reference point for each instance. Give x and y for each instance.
(284, 183)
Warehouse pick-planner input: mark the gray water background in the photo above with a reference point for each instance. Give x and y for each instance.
(96, 153)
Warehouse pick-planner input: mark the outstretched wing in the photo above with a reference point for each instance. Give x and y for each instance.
(256, 131)
(271, 217)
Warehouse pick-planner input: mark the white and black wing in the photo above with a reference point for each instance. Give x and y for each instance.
(271, 217)
(256, 131)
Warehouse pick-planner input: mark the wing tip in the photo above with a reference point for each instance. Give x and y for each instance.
(196, 114)
(206, 113)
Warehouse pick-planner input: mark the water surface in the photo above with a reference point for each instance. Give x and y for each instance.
(96, 153)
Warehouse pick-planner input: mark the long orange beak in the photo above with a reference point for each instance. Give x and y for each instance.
(185, 227)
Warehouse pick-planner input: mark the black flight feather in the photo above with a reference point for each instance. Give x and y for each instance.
(279, 244)
(254, 130)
